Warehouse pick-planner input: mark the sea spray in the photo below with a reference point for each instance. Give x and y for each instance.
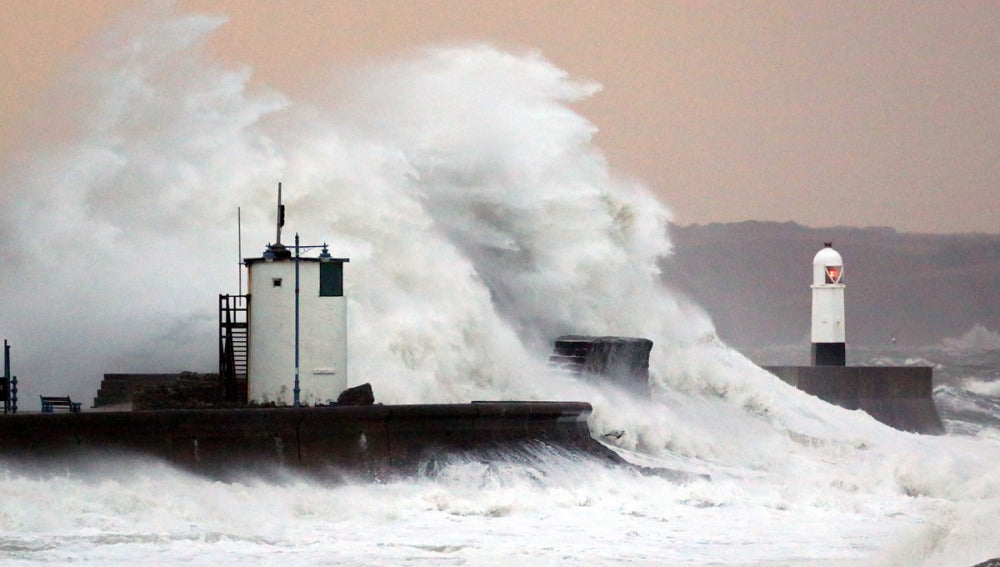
(122, 232)
(480, 218)
(481, 222)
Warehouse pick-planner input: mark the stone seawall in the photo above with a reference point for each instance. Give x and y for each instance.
(898, 396)
(621, 360)
(355, 439)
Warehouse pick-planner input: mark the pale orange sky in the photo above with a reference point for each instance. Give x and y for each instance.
(823, 113)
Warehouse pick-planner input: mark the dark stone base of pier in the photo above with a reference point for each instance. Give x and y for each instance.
(365, 440)
(898, 396)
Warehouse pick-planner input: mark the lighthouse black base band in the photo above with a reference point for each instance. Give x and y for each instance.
(829, 354)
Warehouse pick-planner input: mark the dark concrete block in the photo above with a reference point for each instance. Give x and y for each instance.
(899, 396)
(622, 360)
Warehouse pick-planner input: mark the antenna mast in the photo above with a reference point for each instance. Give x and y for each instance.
(281, 215)
(239, 245)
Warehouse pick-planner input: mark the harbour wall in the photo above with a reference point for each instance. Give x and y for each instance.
(898, 396)
(375, 439)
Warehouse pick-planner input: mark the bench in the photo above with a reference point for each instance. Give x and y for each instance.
(50, 403)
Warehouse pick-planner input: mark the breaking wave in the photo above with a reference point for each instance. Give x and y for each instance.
(481, 222)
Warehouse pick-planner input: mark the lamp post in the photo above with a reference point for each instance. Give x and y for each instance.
(324, 256)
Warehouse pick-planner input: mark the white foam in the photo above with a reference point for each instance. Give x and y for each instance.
(976, 339)
(481, 221)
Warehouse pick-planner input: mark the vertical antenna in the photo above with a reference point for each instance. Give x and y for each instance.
(239, 245)
(6, 376)
(281, 215)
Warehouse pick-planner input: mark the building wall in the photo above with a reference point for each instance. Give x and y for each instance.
(322, 335)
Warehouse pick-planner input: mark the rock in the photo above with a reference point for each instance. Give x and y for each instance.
(357, 396)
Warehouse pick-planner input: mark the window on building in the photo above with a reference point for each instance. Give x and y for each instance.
(276, 282)
(834, 274)
(331, 279)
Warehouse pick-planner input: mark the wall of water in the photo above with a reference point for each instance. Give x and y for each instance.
(481, 222)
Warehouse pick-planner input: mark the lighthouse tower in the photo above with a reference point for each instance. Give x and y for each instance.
(828, 336)
(899, 396)
(297, 324)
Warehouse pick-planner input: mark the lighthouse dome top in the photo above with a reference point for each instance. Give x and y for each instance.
(827, 256)
(828, 266)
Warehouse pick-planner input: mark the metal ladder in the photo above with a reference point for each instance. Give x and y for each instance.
(234, 346)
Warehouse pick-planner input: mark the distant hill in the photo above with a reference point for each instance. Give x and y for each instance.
(753, 278)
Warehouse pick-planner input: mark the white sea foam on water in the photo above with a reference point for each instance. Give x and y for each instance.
(977, 339)
(481, 222)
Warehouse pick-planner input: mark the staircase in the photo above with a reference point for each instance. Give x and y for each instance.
(117, 389)
(570, 353)
(234, 346)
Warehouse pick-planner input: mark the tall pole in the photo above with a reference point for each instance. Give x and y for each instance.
(239, 246)
(281, 216)
(296, 390)
(6, 376)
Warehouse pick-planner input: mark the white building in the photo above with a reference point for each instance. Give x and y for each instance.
(321, 322)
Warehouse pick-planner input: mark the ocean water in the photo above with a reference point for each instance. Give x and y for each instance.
(481, 221)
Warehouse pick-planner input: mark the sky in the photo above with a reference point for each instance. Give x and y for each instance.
(821, 113)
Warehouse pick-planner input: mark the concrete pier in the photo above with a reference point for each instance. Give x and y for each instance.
(348, 439)
(898, 396)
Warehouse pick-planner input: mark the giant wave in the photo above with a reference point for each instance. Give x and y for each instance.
(481, 221)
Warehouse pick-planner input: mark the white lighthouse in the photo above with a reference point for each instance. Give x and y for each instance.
(296, 326)
(828, 335)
